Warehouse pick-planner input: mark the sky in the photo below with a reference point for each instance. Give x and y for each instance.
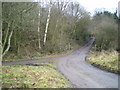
(92, 5)
(89, 5)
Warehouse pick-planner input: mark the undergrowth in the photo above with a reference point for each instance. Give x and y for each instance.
(105, 60)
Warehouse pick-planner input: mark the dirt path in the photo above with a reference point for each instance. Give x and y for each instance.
(80, 73)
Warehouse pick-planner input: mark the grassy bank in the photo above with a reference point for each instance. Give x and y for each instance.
(27, 76)
(106, 61)
(36, 55)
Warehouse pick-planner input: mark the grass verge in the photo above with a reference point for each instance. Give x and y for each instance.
(28, 76)
(12, 57)
(106, 61)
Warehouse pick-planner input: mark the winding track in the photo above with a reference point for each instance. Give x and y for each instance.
(84, 75)
(80, 73)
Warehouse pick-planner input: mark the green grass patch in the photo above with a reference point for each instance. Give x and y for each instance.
(37, 57)
(25, 58)
(105, 60)
(25, 76)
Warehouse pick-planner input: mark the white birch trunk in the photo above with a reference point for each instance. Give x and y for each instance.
(47, 24)
(6, 35)
(9, 40)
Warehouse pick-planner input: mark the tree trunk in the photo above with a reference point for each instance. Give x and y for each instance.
(20, 33)
(15, 42)
(39, 45)
(46, 29)
(6, 36)
(9, 40)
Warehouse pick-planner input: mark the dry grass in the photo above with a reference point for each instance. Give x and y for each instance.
(107, 61)
(25, 76)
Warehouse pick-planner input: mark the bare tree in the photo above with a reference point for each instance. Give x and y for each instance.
(39, 45)
(8, 46)
(6, 36)
(47, 24)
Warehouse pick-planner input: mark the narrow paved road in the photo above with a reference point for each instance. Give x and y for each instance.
(84, 75)
(80, 73)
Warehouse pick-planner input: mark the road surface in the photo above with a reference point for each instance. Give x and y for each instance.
(80, 73)
(83, 74)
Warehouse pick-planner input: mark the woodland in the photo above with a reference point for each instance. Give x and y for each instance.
(44, 28)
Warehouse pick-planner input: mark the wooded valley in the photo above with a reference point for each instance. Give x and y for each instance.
(54, 45)
(39, 28)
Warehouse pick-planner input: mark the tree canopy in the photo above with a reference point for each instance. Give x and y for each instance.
(30, 28)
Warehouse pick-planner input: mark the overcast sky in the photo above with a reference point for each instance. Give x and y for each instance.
(91, 5)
